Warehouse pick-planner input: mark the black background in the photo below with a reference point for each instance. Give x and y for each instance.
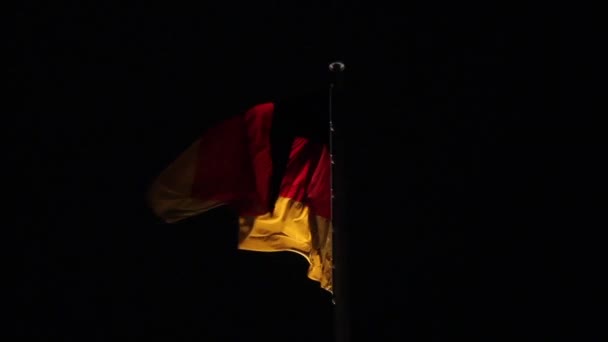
(469, 183)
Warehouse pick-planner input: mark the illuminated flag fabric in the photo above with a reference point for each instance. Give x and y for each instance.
(232, 164)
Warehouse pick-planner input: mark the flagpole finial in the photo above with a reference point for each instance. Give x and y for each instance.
(337, 66)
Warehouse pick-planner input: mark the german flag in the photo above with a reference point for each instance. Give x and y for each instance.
(283, 203)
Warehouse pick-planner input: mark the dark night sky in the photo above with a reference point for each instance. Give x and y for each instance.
(461, 201)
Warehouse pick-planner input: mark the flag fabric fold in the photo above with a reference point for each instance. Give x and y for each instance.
(232, 164)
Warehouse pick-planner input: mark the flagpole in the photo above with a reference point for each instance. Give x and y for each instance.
(336, 150)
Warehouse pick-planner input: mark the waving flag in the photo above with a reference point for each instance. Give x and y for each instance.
(283, 205)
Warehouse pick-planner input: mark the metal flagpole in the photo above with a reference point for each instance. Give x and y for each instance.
(336, 138)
